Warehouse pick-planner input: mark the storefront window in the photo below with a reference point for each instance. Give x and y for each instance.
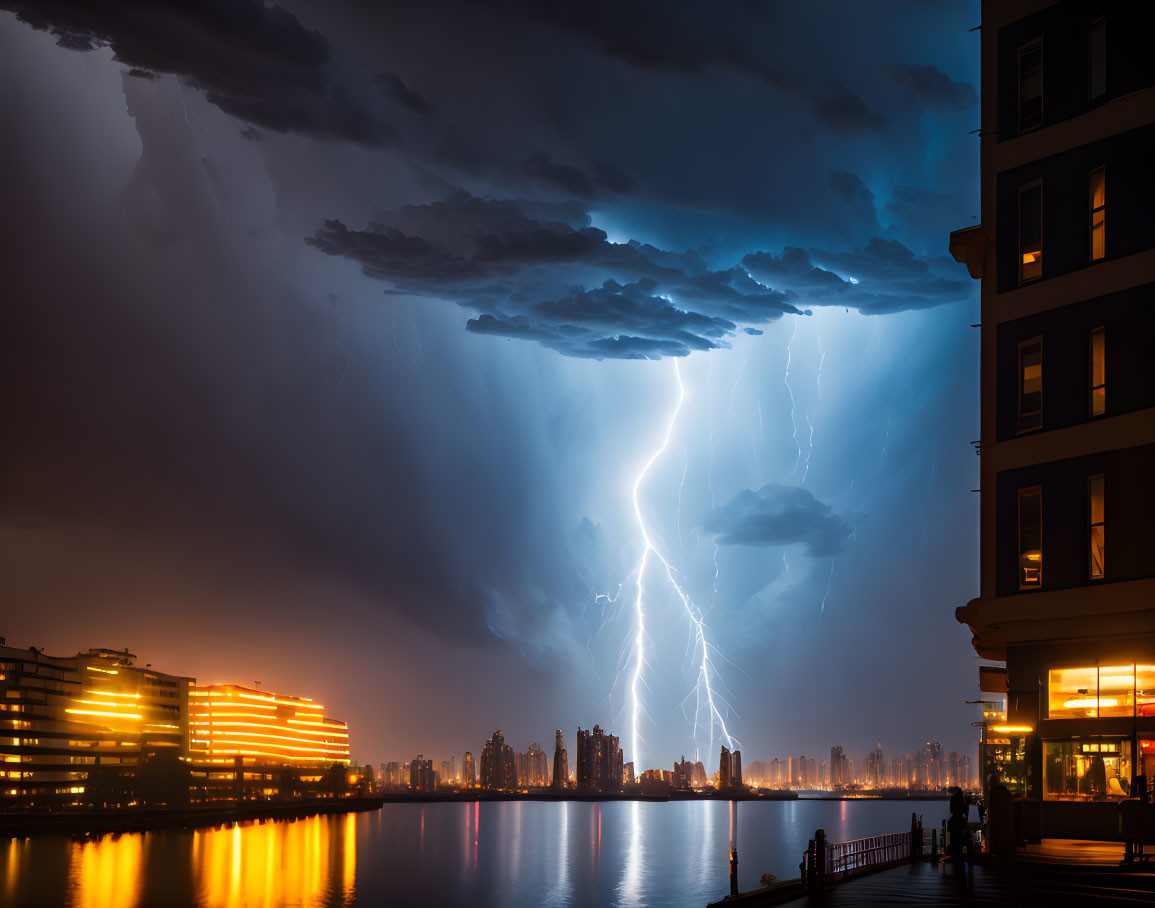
(1087, 769)
(1145, 690)
(1108, 690)
(1006, 761)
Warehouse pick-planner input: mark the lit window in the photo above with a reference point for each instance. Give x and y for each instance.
(1093, 692)
(1098, 372)
(1095, 490)
(1031, 538)
(1030, 384)
(1098, 59)
(1087, 769)
(1030, 233)
(1030, 85)
(1098, 213)
(1145, 690)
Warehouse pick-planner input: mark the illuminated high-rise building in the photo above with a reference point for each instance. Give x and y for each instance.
(498, 764)
(560, 761)
(422, 778)
(736, 769)
(229, 721)
(533, 767)
(76, 724)
(467, 773)
(724, 768)
(599, 761)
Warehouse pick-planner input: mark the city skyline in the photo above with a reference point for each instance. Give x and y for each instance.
(450, 472)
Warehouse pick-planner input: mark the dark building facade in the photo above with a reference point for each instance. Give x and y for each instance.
(599, 761)
(1066, 256)
(498, 764)
(421, 775)
(560, 778)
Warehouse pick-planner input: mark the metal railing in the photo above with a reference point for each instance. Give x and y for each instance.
(827, 861)
(842, 857)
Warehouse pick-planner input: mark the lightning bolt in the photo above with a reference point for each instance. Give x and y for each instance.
(793, 405)
(707, 698)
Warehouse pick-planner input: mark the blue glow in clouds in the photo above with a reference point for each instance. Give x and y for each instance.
(703, 685)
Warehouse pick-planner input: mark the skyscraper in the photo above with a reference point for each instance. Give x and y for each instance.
(736, 769)
(498, 764)
(599, 761)
(560, 761)
(421, 776)
(724, 768)
(467, 777)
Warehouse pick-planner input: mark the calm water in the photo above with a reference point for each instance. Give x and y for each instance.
(517, 853)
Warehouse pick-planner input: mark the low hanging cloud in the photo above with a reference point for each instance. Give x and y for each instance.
(540, 271)
(930, 86)
(778, 515)
(253, 60)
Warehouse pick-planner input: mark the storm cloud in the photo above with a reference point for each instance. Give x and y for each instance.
(559, 282)
(778, 515)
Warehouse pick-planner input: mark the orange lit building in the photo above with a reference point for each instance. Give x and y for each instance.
(72, 724)
(227, 721)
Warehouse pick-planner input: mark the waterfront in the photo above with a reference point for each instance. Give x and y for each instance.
(510, 853)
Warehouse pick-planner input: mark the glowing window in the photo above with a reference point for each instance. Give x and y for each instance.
(1093, 691)
(1098, 372)
(1098, 213)
(1030, 233)
(1087, 769)
(1030, 384)
(1073, 693)
(1097, 46)
(1031, 538)
(1095, 496)
(1030, 85)
(1145, 690)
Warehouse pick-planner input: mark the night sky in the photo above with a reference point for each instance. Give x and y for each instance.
(336, 336)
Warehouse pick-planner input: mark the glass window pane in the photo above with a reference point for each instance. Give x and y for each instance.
(1031, 233)
(1031, 86)
(1096, 506)
(1073, 693)
(1098, 214)
(1098, 372)
(1145, 690)
(1098, 188)
(1098, 59)
(1087, 769)
(1030, 538)
(1030, 385)
(1116, 689)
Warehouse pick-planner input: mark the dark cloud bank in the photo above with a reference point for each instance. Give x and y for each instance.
(541, 272)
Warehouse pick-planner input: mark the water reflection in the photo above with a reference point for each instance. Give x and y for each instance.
(478, 854)
(310, 862)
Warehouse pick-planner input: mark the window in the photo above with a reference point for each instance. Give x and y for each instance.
(1031, 85)
(1098, 59)
(1095, 497)
(1031, 538)
(1030, 233)
(1098, 372)
(1030, 384)
(1094, 691)
(1087, 769)
(1098, 214)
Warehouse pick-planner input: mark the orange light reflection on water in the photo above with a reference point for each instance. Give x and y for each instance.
(106, 872)
(308, 862)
